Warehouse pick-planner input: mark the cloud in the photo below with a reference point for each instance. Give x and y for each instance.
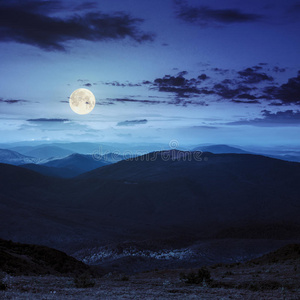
(176, 101)
(147, 82)
(220, 70)
(246, 96)
(182, 102)
(227, 92)
(205, 16)
(48, 120)
(204, 127)
(228, 89)
(31, 24)
(203, 77)
(181, 86)
(251, 76)
(124, 100)
(256, 68)
(132, 122)
(119, 84)
(288, 92)
(239, 87)
(246, 101)
(13, 101)
(86, 82)
(64, 126)
(46, 6)
(279, 70)
(253, 85)
(274, 103)
(280, 118)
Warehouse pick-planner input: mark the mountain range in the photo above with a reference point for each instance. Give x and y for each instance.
(42, 152)
(166, 194)
(15, 158)
(69, 166)
(65, 167)
(220, 149)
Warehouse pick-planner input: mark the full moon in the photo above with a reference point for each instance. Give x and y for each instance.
(82, 101)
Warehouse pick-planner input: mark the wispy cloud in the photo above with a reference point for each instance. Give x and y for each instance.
(48, 120)
(280, 118)
(124, 100)
(246, 101)
(12, 101)
(120, 84)
(31, 24)
(205, 16)
(132, 122)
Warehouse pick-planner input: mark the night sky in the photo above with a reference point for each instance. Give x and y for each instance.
(198, 71)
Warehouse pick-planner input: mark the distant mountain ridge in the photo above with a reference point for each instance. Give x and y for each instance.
(47, 151)
(65, 166)
(74, 164)
(14, 158)
(54, 150)
(69, 166)
(220, 149)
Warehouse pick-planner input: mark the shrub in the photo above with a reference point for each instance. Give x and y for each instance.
(124, 278)
(203, 276)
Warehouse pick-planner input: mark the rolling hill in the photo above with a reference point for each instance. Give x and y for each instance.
(76, 163)
(52, 171)
(73, 165)
(48, 151)
(162, 194)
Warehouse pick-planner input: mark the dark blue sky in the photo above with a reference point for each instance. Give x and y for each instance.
(195, 71)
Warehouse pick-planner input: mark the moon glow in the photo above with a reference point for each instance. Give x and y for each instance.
(82, 101)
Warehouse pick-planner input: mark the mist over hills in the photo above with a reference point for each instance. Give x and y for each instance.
(60, 149)
(287, 154)
(73, 165)
(14, 158)
(78, 163)
(44, 151)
